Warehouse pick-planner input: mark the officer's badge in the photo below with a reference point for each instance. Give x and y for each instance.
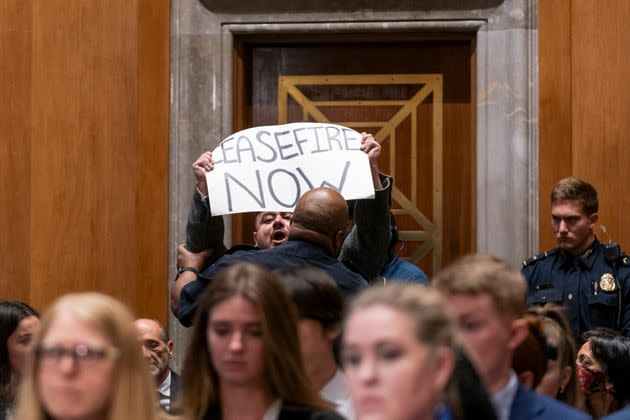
(607, 283)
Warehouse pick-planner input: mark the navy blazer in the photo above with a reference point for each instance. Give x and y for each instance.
(529, 405)
(574, 282)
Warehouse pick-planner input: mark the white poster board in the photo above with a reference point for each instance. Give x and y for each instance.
(269, 168)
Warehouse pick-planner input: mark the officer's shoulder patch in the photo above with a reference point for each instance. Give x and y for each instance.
(540, 257)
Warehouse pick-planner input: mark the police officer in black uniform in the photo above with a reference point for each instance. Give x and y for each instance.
(591, 279)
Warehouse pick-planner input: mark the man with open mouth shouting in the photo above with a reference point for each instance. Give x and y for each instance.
(364, 249)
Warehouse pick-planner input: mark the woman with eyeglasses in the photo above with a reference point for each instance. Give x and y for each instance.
(18, 323)
(87, 364)
(244, 359)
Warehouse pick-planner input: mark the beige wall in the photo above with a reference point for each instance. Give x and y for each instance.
(84, 174)
(584, 103)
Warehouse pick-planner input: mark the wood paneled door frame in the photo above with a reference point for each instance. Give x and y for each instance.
(503, 34)
(422, 230)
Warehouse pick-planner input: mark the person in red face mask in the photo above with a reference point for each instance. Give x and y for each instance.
(603, 364)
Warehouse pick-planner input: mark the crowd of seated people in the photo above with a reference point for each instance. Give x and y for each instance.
(276, 345)
(322, 320)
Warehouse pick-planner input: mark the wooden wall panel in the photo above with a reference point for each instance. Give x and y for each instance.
(98, 157)
(583, 105)
(83, 209)
(153, 139)
(554, 77)
(601, 100)
(15, 115)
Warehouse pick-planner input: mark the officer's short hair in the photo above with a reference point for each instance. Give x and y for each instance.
(574, 189)
(315, 294)
(477, 274)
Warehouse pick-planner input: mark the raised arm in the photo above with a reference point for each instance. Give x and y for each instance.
(367, 243)
(204, 232)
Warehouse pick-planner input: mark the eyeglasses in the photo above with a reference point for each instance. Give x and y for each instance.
(81, 354)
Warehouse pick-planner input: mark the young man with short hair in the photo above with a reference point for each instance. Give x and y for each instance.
(589, 278)
(487, 300)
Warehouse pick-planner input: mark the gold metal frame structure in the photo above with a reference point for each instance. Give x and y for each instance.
(431, 236)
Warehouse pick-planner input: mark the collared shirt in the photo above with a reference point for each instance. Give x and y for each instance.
(502, 400)
(273, 412)
(335, 391)
(164, 392)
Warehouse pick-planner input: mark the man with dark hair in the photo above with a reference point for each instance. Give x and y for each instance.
(591, 279)
(316, 235)
(157, 349)
(320, 306)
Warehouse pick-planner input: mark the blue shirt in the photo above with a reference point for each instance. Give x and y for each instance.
(582, 284)
(502, 400)
(399, 270)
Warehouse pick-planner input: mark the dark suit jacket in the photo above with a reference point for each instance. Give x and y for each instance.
(528, 405)
(293, 253)
(288, 412)
(176, 387)
(306, 413)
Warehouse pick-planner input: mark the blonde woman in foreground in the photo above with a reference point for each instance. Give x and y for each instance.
(398, 353)
(87, 364)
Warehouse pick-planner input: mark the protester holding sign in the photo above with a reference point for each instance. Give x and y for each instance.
(269, 168)
(365, 247)
(316, 236)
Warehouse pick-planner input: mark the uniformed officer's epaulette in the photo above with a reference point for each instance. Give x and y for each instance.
(540, 257)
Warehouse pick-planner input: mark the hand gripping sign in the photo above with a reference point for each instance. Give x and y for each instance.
(269, 168)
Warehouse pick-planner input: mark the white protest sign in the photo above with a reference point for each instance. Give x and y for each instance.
(269, 168)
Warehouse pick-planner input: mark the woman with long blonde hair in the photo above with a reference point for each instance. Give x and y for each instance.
(244, 359)
(87, 363)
